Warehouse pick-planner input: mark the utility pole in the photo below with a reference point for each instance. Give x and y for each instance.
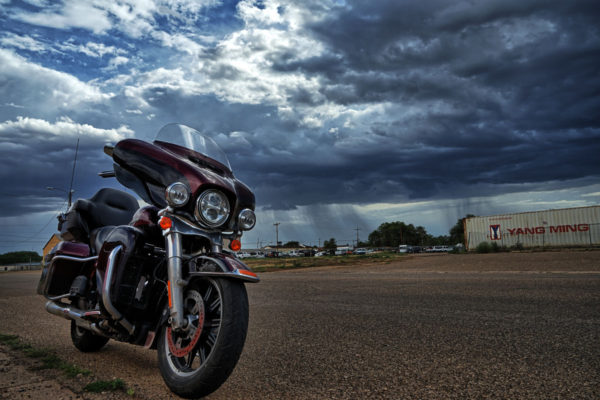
(357, 229)
(73, 174)
(276, 224)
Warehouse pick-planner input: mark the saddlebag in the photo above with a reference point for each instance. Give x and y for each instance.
(62, 265)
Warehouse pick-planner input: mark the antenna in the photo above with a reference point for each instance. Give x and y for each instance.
(73, 174)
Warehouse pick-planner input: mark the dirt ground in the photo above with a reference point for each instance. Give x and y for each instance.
(507, 325)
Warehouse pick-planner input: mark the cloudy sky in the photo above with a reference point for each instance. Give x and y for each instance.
(338, 114)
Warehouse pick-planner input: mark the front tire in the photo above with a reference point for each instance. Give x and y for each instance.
(85, 340)
(222, 318)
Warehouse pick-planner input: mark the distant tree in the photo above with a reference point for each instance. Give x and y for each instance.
(292, 244)
(17, 257)
(391, 234)
(457, 232)
(330, 245)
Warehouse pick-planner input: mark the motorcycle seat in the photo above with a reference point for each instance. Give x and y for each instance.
(108, 207)
(111, 207)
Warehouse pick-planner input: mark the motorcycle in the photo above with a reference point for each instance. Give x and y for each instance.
(165, 275)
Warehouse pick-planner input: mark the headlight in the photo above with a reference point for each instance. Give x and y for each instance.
(177, 194)
(212, 208)
(247, 219)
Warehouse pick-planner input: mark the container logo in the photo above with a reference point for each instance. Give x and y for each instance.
(495, 233)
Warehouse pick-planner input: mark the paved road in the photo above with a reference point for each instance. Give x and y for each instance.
(473, 326)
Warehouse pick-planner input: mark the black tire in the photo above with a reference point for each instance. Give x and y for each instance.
(220, 344)
(85, 340)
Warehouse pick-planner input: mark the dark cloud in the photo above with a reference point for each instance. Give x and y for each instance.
(359, 103)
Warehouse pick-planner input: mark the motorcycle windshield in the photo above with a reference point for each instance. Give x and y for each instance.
(191, 139)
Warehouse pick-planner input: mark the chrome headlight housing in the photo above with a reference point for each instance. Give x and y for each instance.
(177, 194)
(212, 208)
(246, 219)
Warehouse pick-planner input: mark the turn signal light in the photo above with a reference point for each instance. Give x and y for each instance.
(165, 223)
(235, 245)
(248, 273)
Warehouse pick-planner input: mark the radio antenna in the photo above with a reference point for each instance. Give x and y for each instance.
(73, 174)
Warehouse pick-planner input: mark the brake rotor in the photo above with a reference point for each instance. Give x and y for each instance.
(187, 340)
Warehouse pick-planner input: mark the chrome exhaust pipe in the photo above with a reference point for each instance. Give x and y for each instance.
(65, 312)
(75, 314)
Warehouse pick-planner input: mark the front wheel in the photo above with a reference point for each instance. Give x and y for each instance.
(197, 361)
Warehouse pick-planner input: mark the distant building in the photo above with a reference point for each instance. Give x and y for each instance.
(54, 240)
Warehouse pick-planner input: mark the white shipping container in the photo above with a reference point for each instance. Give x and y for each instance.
(563, 227)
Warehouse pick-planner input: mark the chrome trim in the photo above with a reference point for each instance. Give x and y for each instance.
(174, 270)
(106, 292)
(71, 258)
(234, 275)
(185, 227)
(225, 272)
(74, 314)
(62, 296)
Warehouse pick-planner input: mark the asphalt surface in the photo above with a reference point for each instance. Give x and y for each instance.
(518, 325)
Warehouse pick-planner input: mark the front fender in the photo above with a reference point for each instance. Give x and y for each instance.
(220, 265)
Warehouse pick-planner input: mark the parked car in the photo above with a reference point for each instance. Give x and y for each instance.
(360, 251)
(405, 248)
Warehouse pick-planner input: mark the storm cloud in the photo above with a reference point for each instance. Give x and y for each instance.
(336, 113)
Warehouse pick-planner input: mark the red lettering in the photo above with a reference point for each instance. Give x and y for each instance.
(540, 230)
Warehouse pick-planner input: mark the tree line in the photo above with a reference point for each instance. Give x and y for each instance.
(18, 257)
(392, 234)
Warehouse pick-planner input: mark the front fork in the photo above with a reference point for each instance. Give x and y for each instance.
(176, 283)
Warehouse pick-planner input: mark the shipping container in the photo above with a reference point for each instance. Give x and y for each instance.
(551, 228)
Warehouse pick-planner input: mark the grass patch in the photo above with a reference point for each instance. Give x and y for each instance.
(107, 386)
(271, 264)
(49, 360)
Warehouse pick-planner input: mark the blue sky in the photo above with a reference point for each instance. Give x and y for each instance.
(336, 113)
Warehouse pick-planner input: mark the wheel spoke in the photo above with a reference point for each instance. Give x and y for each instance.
(215, 304)
(207, 294)
(213, 323)
(211, 339)
(190, 360)
(202, 354)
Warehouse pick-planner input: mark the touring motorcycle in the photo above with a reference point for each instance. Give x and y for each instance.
(164, 275)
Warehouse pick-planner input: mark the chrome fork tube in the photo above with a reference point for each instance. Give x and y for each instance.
(176, 282)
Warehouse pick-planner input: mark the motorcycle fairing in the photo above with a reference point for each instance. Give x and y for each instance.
(148, 168)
